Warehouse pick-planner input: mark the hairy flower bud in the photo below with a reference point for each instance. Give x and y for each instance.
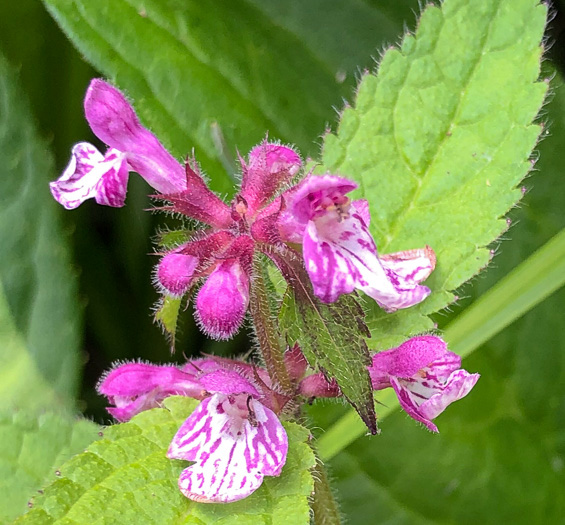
(174, 272)
(222, 301)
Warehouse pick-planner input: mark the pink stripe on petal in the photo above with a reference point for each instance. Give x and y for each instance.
(232, 449)
(409, 402)
(340, 255)
(90, 174)
(112, 188)
(457, 386)
(361, 207)
(410, 266)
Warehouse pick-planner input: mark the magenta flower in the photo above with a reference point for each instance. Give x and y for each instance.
(234, 436)
(426, 377)
(339, 252)
(135, 387)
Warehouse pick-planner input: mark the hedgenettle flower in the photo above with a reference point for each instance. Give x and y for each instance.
(234, 436)
(426, 377)
(338, 250)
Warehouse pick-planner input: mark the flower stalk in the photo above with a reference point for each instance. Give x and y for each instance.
(270, 344)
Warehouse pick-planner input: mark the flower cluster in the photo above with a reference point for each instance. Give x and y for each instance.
(339, 252)
(234, 438)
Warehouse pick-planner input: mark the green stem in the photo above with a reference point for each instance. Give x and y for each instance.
(268, 334)
(322, 502)
(524, 287)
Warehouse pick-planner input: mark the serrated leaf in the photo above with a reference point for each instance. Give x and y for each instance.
(126, 478)
(39, 310)
(439, 140)
(331, 337)
(32, 448)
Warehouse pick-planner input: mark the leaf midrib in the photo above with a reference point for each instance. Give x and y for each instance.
(405, 211)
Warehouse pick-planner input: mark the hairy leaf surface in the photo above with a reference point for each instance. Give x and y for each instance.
(331, 336)
(126, 478)
(439, 139)
(32, 448)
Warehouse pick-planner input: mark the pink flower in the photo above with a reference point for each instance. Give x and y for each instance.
(339, 252)
(135, 387)
(234, 436)
(425, 376)
(222, 255)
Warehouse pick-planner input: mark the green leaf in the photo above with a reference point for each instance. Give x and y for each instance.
(439, 140)
(167, 315)
(32, 448)
(331, 336)
(126, 478)
(39, 310)
(517, 405)
(188, 74)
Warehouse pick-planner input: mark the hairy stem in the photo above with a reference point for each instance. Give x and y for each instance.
(323, 503)
(267, 333)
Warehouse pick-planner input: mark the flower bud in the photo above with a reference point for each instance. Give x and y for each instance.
(270, 167)
(175, 271)
(223, 299)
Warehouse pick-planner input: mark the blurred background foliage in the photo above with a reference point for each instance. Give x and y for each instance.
(500, 456)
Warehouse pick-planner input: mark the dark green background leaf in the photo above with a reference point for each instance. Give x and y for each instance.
(39, 309)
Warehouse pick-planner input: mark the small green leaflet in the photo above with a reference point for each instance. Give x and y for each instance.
(167, 315)
(32, 448)
(126, 478)
(439, 140)
(330, 335)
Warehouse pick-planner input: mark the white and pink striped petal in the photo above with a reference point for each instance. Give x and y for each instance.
(235, 442)
(426, 377)
(340, 256)
(410, 266)
(90, 174)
